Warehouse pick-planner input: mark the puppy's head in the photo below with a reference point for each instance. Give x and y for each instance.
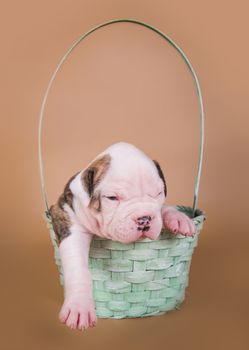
(126, 192)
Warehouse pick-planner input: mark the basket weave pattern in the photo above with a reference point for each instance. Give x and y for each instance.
(139, 279)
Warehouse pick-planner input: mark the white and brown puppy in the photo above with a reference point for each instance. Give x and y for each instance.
(120, 195)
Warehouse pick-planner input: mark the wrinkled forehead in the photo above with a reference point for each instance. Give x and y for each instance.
(126, 175)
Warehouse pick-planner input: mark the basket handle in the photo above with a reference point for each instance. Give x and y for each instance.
(76, 43)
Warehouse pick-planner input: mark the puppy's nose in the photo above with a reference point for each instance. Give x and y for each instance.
(143, 220)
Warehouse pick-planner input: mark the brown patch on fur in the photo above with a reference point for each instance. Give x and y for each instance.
(67, 195)
(60, 221)
(95, 172)
(160, 173)
(95, 202)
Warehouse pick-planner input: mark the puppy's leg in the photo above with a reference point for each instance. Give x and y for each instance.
(78, 309)
(177, 222)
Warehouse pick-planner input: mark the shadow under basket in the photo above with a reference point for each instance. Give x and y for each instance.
(139, 279)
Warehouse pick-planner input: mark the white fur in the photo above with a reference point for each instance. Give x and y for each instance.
(132, 174)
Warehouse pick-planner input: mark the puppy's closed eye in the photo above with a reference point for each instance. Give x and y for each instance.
(112, 198)
(155, 195)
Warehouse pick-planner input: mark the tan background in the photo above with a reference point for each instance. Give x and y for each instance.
(125, 83)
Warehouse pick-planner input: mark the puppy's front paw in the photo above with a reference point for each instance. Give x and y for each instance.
(78, 312)
(178, 222)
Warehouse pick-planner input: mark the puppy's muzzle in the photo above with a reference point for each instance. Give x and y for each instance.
(143, 223)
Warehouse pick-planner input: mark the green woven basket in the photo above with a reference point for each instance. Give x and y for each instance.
(146, 277)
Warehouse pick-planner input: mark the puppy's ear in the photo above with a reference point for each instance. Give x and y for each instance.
(95, 202)
(67, 195)
(92, 176)
(160, 173)
(89, 180)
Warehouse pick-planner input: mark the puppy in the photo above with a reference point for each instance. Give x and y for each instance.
(120, 195)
